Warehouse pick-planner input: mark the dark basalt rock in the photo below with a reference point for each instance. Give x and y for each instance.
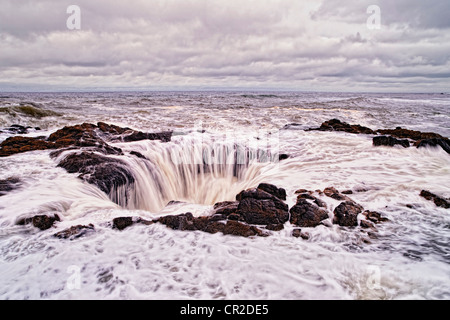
(337, 125)
(85, 135)
(42, 221)
(225, 208)
(262, 211)
(18, 129)
(389, 136)
(187, 221)
(389, 141)
(9, 184)
(444, 143)
(439, 201)
(19, 144)
(257, 206)
(346, 213)
(408, 134)
(374, 216)
(280, 193)
(74, 232)
(299, 234)
(307, 214)
(105, 172)
(121, 223)
(332, 192)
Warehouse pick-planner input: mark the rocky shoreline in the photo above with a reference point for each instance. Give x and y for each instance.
(86, 150)
(389, 137)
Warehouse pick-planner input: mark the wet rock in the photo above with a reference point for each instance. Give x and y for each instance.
(138, 154)
(337, 125)
(335, 194)
(9, 184)
(240, 229)
(138, 136)
(121, 223)
(263, 211)
(444, 143)
(439, 201)
(85, 135)
(105, 172)
(275, 227)
(74, 232)
(42, 221)
(307, 214)
(320, 203)
(19, 144)
(280, 193)
(183, 221)
(226, 208)
(389, 141)
(346, 213)
(18, 129)
(306, 195)
(374, 216)
(187, 221)
(408, 134)
(257, 206)
(299, 234)
(366, 224)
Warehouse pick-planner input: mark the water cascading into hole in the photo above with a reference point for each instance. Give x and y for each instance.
(189, 170)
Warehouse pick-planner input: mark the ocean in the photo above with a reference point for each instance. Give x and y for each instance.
(407, 257)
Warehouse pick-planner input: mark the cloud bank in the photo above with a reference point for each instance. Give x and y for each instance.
(322, 45)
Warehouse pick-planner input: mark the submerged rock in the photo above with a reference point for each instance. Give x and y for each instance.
(9, 184)
(42, 221)
(332, 192)
(389, 141)
(439, 201)
(444, 143)
(299, 234)
(74, 232)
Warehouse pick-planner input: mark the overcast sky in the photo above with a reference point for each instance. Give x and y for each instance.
(320, 45)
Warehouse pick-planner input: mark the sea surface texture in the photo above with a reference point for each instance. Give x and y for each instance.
(223, 143)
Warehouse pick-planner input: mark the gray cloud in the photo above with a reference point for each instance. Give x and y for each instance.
(286, 44)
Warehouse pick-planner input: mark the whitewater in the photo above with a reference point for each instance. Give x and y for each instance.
(408, 258)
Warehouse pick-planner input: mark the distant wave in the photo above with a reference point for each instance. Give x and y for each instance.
(28, 110)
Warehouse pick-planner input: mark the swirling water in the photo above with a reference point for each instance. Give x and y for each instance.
(409, 258)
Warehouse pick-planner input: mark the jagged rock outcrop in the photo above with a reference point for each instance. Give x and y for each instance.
(85, 135)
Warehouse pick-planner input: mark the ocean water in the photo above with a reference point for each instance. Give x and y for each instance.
(409, 258)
